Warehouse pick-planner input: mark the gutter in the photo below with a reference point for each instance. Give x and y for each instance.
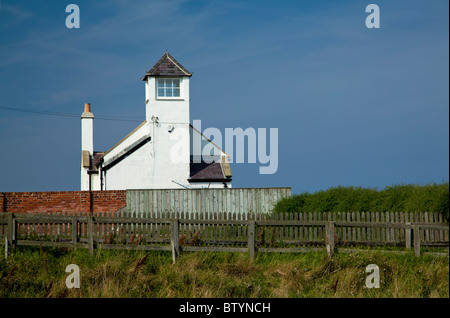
(209, 180)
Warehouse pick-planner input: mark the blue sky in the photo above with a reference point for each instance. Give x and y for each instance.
(353, 106)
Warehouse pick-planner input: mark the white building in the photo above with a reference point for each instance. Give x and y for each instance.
(159, 153)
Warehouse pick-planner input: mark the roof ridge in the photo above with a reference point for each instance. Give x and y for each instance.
(164, 65)
(171, 58)
(124, 138)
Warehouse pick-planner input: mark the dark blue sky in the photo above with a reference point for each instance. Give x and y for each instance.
(353, 106)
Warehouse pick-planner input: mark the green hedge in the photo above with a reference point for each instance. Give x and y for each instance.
(405, 198)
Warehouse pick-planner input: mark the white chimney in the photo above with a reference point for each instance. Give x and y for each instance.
(87, 129)
(87, 146)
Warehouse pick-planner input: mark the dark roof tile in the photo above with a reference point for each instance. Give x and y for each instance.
(206, 171)
(95, 161)
(167, 66)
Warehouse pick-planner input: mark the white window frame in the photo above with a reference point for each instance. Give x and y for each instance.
(169, 97)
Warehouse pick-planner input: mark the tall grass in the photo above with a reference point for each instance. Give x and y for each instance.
(40, 273)
(405, 198)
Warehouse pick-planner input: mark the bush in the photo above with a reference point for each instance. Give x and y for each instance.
(402, 198)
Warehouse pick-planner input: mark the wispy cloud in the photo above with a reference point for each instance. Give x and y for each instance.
(16, 13)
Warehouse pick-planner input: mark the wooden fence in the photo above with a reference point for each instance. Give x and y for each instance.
(234, 200)
(176, 232)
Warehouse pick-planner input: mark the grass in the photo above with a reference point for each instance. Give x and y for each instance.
(40, 272)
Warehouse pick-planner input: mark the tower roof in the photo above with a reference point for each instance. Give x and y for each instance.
(167, 66)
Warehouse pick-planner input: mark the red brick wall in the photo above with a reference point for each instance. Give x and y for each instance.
(62, 201)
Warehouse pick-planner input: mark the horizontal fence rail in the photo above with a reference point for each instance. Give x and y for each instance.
(232, 232)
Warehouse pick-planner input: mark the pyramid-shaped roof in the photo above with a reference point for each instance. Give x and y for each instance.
(167, 66)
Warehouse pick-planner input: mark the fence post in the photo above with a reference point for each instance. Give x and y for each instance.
(91, 235)
(6, 247)
(416, 230)
(9, 220)
(408, 235)
(74, 231)
(12, 230)
(329, 232)
(251, 237)
(174, 240)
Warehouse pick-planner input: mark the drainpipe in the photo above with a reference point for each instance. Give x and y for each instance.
(101, 174)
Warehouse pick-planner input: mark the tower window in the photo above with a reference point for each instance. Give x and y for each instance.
(168, 87)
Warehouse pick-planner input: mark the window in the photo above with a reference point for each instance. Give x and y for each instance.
(168, 87)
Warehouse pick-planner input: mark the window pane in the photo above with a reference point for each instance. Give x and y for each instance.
(160, 83)
(168, 92)
(176, 83)
(176, 92)
(161, 92)
(169, 83)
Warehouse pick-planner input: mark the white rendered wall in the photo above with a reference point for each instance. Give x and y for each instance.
(167, 110)
(95, 182)
(141, 170)
(84, 178)
(153, 166)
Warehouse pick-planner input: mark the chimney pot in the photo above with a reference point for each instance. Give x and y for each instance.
(87, 108)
